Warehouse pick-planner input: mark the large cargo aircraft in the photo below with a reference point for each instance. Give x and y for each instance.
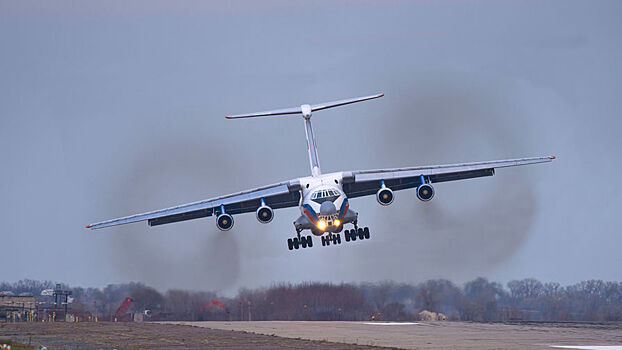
(323, 199)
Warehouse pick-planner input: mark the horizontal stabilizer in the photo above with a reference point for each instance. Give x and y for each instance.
(298, 110)
(293, 110)
(325, 105)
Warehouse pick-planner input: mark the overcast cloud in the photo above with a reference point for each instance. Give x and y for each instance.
(114, 108)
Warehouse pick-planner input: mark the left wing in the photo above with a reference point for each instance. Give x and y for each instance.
(280, 195)
(367, 182)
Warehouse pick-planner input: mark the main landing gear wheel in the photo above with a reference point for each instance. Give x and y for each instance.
(337, 239)
(350, 235)
(303, 242)
(358, 233)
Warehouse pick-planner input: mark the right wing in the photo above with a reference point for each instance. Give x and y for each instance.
(367, 182)
(280, 195)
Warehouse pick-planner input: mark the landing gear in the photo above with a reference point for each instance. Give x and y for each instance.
(300, 242)
(357, 233)
(333, 238)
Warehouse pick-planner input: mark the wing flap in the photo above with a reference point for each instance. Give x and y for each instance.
(191, 215)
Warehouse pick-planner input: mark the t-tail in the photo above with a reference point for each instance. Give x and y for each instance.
(306, 111)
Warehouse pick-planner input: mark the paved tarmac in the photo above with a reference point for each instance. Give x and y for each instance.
(437, 335)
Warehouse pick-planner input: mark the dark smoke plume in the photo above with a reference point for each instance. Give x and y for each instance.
(472, 225)
(194, 254)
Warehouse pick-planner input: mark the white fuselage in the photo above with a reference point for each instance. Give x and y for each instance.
(324, 205)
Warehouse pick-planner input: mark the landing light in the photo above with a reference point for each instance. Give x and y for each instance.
(321, 225)
(337, 222)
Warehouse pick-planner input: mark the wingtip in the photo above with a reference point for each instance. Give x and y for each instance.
(228, 116)
(381, 95)
(553, 157)
(88, 226)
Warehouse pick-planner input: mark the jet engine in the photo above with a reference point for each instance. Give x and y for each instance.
(384, 196)
(264, 214)
(425, 192)
(224, 222)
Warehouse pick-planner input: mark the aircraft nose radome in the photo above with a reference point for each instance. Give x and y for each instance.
(327, 208)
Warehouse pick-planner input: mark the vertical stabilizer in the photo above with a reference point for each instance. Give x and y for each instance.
(314, 160)
(306, 111)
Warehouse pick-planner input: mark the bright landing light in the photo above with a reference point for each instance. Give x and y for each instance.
(321, 225)
(337, 222)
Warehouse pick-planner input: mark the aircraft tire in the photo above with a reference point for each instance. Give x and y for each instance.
(296, 243)
(366, 232)
(361, 234)
(309, 241)
(303, 242)
(337, 239)
(353, 235)
(346, 235)
(290, 244)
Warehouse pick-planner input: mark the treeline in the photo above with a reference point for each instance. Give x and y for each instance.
(479, 300)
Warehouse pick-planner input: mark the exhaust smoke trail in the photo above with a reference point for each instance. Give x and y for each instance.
(470, 226)
(192, 254)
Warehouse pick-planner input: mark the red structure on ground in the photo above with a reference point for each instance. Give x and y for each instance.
(209, 304)
(124, 306)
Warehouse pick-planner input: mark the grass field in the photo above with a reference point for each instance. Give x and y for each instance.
(107, 335)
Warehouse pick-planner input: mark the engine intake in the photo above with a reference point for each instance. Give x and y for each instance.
(425, 192)
(384, 196)
(264, 214)
(224, 222)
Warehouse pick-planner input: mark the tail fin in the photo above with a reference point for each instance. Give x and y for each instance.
(299, 110)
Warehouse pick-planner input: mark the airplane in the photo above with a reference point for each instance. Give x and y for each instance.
(323, 199)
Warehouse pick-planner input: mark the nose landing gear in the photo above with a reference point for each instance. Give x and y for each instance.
(331, 238)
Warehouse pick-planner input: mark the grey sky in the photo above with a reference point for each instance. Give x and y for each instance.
(117, 108)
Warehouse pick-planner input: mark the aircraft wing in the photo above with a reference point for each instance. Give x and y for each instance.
(367, 182)
(280, 195)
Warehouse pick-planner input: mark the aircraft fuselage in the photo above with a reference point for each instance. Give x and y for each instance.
(324, 205)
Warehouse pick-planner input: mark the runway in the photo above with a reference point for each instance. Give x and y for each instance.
(439, 335)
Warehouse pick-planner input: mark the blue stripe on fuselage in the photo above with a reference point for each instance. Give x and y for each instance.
(311, 212)
(342, 210)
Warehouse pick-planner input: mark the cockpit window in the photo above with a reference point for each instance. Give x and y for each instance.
(324, 195)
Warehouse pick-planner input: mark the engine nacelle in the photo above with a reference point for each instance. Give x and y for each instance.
(384, 196)
(425, 192)
(224, 222)
(264, 214)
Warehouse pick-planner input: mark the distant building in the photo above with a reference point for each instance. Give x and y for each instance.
(17, 308)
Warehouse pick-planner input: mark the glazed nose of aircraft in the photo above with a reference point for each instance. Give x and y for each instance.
(327, 208)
